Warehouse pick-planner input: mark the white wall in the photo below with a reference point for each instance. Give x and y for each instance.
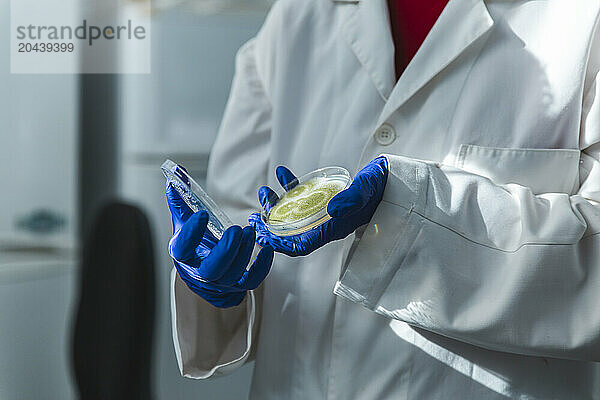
(38, 141)
(38, 123)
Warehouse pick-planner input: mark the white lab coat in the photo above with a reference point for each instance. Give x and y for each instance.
(479, 274)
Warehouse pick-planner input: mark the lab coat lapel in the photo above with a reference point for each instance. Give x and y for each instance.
(366, 28)
(460, 24)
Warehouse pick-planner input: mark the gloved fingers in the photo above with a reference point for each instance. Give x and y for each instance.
(183, 244)
(288, 245)
(299, 245)
(242, 259)
(255, 220)
(209, 241)
(180, 211)
(252, 278)
(222, 255)
(267, 197)
(192, 277)
(286, 178)
(305, 243)
(185, 272)
(262, 232)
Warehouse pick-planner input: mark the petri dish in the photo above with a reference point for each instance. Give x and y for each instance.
(195, 197)
(305, 205)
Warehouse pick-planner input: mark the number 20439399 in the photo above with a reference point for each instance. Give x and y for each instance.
(24, 47)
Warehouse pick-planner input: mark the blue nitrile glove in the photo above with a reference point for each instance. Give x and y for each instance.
(214, 269)
(349, 209)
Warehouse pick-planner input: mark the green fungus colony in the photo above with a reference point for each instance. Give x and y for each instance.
(304, 200)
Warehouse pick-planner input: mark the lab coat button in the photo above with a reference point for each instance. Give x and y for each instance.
(385, 135)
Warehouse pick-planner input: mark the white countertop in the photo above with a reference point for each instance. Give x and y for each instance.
(27, 259)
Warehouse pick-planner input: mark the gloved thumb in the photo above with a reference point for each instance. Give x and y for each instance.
(367, 185)
(180, 211)
(182, 246)
(348, 201)
(286, 178)
(267, 198)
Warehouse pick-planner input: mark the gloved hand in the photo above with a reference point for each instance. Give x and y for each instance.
(349, 209)
(214, 269)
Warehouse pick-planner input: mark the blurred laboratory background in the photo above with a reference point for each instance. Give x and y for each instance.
(72, 143)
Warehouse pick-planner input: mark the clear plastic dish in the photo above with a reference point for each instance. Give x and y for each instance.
(305, 206)
(196, 198)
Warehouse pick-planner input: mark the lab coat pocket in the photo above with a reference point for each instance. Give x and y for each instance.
(541, 170)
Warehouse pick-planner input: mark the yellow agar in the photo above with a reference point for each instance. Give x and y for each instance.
(304, 200)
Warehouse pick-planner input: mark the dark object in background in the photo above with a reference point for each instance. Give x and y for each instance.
(112, 342)
(98, 140)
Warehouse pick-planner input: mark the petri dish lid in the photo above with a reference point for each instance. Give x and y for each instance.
(195, 197)
(305, 205)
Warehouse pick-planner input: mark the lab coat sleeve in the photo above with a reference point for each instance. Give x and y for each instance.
(210, 341)
(497, 266)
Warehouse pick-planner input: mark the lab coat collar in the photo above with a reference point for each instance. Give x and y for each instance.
(365, 27)
(460, 24)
